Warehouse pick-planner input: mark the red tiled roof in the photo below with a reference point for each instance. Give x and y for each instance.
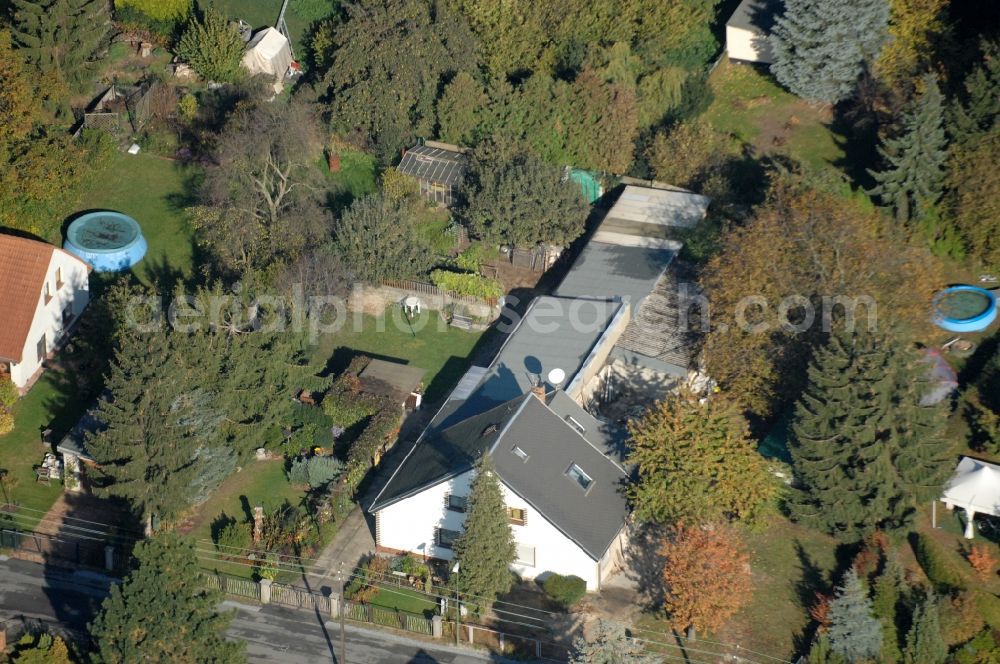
(23, 264)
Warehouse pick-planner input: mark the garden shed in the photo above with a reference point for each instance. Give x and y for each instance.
(975, 488)
(437, 167)
(269, 53)
(400, 382)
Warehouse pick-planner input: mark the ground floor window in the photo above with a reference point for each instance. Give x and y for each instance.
(525, 555)
(41, 349)
(446, 538)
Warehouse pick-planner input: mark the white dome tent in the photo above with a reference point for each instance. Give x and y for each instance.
(269, 52)
(975, 488)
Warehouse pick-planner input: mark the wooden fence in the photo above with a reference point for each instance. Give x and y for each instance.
(231, 585)
(300, 598)
(394, 618)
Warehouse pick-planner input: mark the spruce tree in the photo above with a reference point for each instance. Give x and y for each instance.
(821, 47)
(885, 603)
(924, 643)
(486, 550)
(162, 612)
(61, 37)
(854, 633)
(159, 423)
(975, 115)
(914, 175)
(863, 448)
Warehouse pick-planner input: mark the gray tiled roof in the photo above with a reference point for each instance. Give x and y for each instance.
(433, 165)
(553, 442)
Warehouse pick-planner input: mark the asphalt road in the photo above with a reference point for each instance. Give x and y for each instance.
(272, 634)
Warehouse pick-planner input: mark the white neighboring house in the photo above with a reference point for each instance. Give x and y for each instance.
(43, 291)
(749, 28)
(561, 482)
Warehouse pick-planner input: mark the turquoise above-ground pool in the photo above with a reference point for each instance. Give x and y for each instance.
(107, 241)
(965, 309)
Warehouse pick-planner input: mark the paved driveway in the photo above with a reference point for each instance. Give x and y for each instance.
(352, 542)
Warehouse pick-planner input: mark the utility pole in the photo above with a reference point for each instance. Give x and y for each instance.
(458, 616)
(343, 611)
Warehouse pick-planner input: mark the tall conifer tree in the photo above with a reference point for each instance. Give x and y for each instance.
(486, 549)
(821, 47)
(864, 447)
(61, 37)
(163, 613)
(924, 643)
(854, 633)
(913, 179)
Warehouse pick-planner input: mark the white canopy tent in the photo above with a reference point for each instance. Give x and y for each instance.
(268, 52)
(975, 488)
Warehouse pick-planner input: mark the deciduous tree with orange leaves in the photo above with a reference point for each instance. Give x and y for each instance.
(707, 575)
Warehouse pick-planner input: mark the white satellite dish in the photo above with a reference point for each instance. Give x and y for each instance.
(556, 377)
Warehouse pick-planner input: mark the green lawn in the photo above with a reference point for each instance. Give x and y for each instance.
(262, 13)
(259, 483)
(155, 192)
(404, 599)
(442, 350)
(358, 176)
(53, 402)
(750, 105)
(789, 564)
(432, 227)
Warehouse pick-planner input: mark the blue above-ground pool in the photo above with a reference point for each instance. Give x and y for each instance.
(965, 309)
(107, 241)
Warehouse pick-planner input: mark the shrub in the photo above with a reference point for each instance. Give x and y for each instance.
(463, 283)
(347, 408)
(213, 48)
(158, 10)
(983, 649)
(233, 538)
(989, 608)
(187, 107)
(317, 471)
(960, 619)
(939, 569)
(398, 186)
(982, 560)
(472, 257)
(8, 393)
(6, 421)
(567, 590)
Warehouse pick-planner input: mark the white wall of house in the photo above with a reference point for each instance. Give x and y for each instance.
(411, 525)
(743, 44)
(72, 296)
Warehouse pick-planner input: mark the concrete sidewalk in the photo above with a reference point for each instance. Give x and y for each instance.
(353, 541)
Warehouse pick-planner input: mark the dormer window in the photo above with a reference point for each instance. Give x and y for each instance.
(575, 473)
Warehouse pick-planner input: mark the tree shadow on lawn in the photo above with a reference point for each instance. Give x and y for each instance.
(813, 581)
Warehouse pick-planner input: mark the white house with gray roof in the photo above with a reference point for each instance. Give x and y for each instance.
(561, 468)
